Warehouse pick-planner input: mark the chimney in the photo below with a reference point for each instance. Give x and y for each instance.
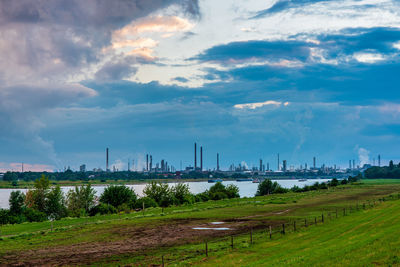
(201, 158)
(107, 159)
(217, 161)
(195, 156)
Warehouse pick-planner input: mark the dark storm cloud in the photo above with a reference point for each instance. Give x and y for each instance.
(98, 13)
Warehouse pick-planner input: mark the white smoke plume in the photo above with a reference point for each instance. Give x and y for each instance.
(363, 156)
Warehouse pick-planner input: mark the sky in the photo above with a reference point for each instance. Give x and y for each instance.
(245, 79)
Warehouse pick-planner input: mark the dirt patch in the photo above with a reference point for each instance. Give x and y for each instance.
(133, 240)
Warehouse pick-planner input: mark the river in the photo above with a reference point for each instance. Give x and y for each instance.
(246, 189)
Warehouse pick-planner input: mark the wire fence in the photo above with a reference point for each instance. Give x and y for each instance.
(262, 233)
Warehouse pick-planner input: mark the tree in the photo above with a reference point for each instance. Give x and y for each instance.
(40, 193)
(16, 201)
(160, 192)
(10, 176)
(54, 203)
(391, 165)
(117, 195)
(181, 193)
(334, 182)
(266, 187)
(81, 199)
(232, 191)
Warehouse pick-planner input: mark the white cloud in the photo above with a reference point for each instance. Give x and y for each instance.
(260, 104)
(368, 57)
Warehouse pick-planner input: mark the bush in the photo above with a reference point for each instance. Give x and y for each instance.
(202, 197)
(102, 209)
(268, 187)
(32, 215)
(232, 191)
(334, 182)
(344, 181)
(160, 192)
(16, 201)
(181, 194)
(116, 195)
(148, 203)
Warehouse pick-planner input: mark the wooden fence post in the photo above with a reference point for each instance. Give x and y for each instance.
(251, 235)
(232, 241)
(143, 207)
(315, 220)
(206, 249)
(344, 211)
(162, 260)
(283, 228)
(270, 232)
(294, 226)
(363, 205)
(322, 217)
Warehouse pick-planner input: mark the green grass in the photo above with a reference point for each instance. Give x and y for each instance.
(23, 238)
(365, 238)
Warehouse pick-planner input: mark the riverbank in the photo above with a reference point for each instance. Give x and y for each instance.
(144, 237)
(98, 182)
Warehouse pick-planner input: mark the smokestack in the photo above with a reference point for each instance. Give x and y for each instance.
(267, 166)
(151, 162)
(350, 164)
(260, 165)
(354, 164)
(22, 167)
(201, 158)
(278, 163)
(217, 161)
(107, 159)
(315, 162)
(147, 162)
(379, 160)
(195, 156)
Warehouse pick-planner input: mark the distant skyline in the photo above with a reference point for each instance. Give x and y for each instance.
(247, 79)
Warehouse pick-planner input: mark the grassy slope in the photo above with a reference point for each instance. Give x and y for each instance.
(99, 229)
(365, 238)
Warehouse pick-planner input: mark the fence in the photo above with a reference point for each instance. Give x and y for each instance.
(268, 232)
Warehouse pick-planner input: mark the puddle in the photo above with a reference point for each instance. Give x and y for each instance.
(208, 228)
(217, 223)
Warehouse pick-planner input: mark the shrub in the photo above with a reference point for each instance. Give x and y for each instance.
(102, 209)
(334, 182)
(16, 201)
(160, 192)
(32, 215)
(268, 187)
(117, 195)
(232, 191)
(148, 202)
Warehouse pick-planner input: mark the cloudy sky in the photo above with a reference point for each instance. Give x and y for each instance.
(247, 79)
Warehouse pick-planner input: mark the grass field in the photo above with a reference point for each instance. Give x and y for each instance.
(143, 239)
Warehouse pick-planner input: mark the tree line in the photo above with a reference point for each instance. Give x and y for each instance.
(44, 202)
(387, 172)
(267, 187)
